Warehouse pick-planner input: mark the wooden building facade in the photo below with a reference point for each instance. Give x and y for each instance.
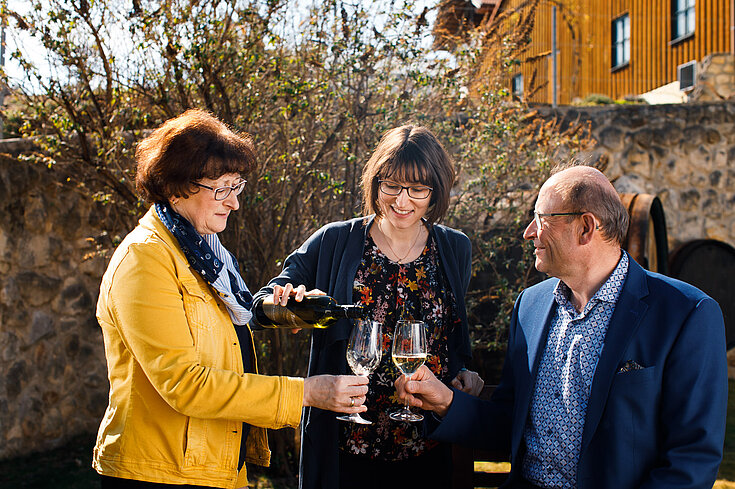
(616, 48)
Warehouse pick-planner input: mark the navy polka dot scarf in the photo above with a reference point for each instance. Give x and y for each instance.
(217, 266)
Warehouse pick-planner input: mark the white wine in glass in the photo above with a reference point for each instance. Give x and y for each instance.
(409, 353)
(364, 351)
(408, 364)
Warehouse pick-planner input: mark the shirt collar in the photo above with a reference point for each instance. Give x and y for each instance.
(608, 292)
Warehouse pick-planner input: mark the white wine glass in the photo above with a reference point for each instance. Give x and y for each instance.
(409, 353)
(364, 351)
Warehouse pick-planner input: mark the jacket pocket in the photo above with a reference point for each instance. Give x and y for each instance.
(633, 377)
(196, 302)
(195, 453)
(205, 323)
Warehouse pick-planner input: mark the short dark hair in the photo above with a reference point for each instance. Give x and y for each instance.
(585, 193)
(187, 148)
(413, 154)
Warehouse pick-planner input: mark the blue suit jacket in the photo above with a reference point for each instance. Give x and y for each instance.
(662, 426)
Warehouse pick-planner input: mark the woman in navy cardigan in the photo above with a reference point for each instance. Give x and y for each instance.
(395, 262)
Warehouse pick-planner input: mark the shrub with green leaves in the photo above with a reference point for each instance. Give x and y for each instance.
(316, 86)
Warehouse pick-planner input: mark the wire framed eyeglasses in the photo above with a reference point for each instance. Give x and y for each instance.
(540, 224)
(221, 193)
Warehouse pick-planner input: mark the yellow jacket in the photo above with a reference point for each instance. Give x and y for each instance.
(178, 394)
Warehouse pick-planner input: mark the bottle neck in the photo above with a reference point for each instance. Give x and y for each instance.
(353, 312)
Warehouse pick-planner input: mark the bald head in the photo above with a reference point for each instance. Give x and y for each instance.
(586, 189)
(579, 173)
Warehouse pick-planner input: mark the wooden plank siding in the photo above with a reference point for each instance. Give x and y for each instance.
(584, 43)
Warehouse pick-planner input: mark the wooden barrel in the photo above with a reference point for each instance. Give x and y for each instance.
(709, 265)
(646, 241)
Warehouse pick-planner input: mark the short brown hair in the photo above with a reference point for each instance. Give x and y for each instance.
(187, 148)
(413, 154)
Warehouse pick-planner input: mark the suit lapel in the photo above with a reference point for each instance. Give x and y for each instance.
(534, 322)
(623, 324)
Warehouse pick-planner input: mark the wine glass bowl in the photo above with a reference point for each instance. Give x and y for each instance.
(409, 353)
(364, 352)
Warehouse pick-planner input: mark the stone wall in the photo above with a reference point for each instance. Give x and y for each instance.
(54, 381)
(715, 79)
(684, 154)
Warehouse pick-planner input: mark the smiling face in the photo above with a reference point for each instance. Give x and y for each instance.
(402, 211)
(207, 215)
(408, 155)
(555, 245)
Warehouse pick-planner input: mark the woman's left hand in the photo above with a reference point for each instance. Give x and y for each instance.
(469, 382)
(338, 393)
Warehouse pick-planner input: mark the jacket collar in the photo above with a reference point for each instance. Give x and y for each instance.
(151, 223)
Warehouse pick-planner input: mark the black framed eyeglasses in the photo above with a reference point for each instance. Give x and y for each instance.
(414, 191)
(539, 223)
(221, 193)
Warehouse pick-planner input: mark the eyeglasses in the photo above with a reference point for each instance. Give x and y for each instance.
(539, 223)
(414, 191)
(221, 193)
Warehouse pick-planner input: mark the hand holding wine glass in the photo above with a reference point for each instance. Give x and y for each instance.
(364, 352)
(425, 391)
(409, 353)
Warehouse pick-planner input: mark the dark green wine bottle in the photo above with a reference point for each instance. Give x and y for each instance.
(314, 311)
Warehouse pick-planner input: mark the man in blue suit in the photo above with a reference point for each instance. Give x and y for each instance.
(614, 378)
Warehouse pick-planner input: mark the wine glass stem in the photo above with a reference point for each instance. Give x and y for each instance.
(408, 407)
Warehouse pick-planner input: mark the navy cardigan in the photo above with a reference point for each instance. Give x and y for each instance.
(328, 261)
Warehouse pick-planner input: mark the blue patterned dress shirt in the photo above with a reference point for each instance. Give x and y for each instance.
(554, 428)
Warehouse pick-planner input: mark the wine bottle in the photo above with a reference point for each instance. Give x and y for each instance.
(314, 311)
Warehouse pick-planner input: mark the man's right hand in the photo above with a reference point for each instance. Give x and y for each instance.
(425, 391)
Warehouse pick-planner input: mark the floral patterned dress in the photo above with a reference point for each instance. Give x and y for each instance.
(390, 291)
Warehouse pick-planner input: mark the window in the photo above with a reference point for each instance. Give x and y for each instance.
(682, 24)
(517, 87)
(621, 41)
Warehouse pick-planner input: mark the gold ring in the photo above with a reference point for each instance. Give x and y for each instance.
(352, 402)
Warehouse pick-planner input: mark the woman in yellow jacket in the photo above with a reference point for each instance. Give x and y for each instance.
(186, 405)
